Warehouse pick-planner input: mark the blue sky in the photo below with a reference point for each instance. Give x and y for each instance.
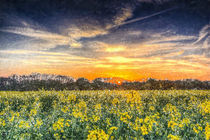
(93, 38)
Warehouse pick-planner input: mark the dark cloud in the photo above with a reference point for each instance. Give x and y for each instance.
(54, 11)
(57, 12)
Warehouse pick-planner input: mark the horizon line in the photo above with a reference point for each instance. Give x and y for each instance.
(110, 78)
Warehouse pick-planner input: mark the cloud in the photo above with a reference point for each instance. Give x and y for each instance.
(203, 37)
(200, 45)
(76, 33)
(153, 65)
(30, 52)
(40, 58)
(128, 14)
(72, 38)
(123, 14)
(51, 39)
(152, 44)
(30, 32)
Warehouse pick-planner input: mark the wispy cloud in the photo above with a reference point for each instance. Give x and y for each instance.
(52, 39)
(123, 14)
(203, 37)
(128, 14)
(200, 45)
(75, 33)
(40, 34)
(69, 36)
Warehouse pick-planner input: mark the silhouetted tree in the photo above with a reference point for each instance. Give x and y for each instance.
(83, 84)
(99, 84)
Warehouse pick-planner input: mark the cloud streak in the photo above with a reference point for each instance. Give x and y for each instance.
(142, 18)
(52, 38)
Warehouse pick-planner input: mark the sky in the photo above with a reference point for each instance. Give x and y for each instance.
(129, 39)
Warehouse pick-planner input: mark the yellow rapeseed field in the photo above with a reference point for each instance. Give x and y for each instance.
(105, 115)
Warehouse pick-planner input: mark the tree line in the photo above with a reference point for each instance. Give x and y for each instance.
(7, 84)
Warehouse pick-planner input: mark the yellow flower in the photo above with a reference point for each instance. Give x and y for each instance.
(98, 107)
(24, 136)
(144, 130)
(24, 124)
(38, 123)
(108, 121)
(64, 109)
(111, 129)
(150, 121)
(169, 108)
(97, 134)
(95, 118)
(197, 128)
(80, 111)
(27, 125)
(172, 124)
(181, 125)
(2, 113)
(71, 97)
(205, 107)
(79, 114)
(133, 98)
(57, 136)
(186, 121)
(152, 108)
(207, 131)
(33, 112)
(12, 119)
(139, 120)
(59, 124)
(115, 101)
(124, 117)
(2, 122)
(82, 104)
(138, 123)
(173, 137)
(68, 122)
(147, 119)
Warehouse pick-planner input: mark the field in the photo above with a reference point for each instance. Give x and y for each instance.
(47, 115)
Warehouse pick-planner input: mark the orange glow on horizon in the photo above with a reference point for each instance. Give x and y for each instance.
(117, 75)
(116, 66)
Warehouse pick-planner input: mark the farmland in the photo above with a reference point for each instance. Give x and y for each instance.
(105, 114)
